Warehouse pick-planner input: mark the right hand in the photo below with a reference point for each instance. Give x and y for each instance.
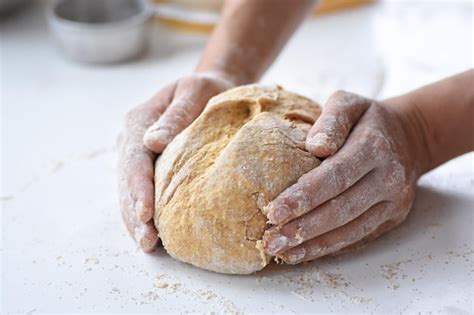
(365, 186)
(148, 129)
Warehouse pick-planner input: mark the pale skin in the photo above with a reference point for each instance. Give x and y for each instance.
(373, 152)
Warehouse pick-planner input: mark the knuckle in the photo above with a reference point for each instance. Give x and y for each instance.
(169, 123)
(343, 124)
(340, 94)
(379, 140)
(197, 82)
(372, 134)
(187, 80)
(214, 82)
(178, 117)
(339, 179)
(374, 139)
(206, 81)
(397, 183)
(335, 125)
(398, 171)
(181, 109)
(392, 183)
(377, 109)
(346, 100)
(295, 200)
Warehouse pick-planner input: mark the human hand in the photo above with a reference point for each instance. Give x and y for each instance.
(364, 186)
(148, 129)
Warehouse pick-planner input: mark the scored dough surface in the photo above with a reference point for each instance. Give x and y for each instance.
(214, 179)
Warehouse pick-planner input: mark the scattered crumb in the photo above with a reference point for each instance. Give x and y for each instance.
(56, 166)
(300, 296)
(161, 285)
(7, 198)
(360, 300)
(208, 295)
(116, 290)
(60, 260)
(91, 260)
(391, 272)
(94, 154)
(261, 279)
(31, 311)
(33, 180)
(161, 282)
(149, 296)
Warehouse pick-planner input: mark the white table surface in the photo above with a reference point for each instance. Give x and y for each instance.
(65, 249)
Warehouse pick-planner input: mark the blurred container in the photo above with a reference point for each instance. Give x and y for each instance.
(100, 31)
(8, 6)
(202, 15)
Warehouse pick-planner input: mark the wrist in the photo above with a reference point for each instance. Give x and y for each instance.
(416, 131)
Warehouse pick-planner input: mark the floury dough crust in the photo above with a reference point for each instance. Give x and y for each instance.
(214, 179)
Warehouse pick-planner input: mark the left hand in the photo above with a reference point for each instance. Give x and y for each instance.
(363, 188)
(148, 128)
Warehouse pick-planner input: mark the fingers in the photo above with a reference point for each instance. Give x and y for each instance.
(145, 234)
(340, 114)
(189, 100)
(137, 182)
(139, 119)
(136, 192)
(136, 169)
(381, 229)
(332, 177)
(343, 236)
(327, 217)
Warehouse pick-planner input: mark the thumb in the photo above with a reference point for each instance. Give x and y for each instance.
(182, 111)
(341, 112)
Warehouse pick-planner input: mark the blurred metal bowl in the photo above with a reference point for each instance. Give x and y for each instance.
(100, 31)
(8, 6)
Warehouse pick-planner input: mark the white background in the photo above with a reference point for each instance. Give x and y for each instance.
(65, 249)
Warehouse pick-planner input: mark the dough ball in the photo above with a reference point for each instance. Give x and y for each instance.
(214, 179)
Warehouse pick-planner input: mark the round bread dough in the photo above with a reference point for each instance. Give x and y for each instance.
(215, 178)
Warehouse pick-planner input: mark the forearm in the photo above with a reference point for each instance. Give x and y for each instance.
(249, 36)
(440, 118)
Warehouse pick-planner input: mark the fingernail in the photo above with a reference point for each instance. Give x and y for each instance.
(322, 144)
(161, 135)
(279, 214)
(319, 140)
(295, 256)
(144, 239)
(275, 243)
